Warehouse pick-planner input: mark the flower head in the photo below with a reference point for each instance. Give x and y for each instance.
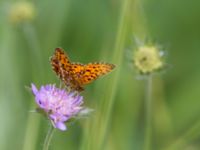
(148, 59)
(58, 104)
(21, 11)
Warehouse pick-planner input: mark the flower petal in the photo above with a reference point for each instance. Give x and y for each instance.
(61, 126)
(34, 89)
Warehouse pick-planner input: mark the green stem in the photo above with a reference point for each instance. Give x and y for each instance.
(48, 138)
(148, 103)
(35, 52)
(31, 37)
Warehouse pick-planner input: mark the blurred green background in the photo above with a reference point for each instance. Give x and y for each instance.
(102, 30)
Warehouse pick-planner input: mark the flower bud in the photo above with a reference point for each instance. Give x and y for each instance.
(148, 59)
(21, 12)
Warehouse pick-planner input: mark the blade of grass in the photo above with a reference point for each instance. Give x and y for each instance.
(96, 135)
(32, 127)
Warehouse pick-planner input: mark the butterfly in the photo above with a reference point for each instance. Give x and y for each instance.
(76, 75)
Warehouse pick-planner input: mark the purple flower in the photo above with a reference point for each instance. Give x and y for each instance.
(58, 104)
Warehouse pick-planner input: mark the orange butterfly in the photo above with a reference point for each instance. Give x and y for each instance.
(76, 75)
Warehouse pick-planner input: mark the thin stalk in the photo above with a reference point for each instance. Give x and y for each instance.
(48, 138)
(31, 37)
(31, 129)
(148, 108)
(35, 52)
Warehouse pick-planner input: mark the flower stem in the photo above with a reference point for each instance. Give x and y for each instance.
(35, 49)
(48, 138)
(148, 102)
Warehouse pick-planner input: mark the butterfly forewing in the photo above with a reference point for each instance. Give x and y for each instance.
(60, 62)
(93, 71)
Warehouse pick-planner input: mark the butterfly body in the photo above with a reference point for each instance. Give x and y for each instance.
(76, 75)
